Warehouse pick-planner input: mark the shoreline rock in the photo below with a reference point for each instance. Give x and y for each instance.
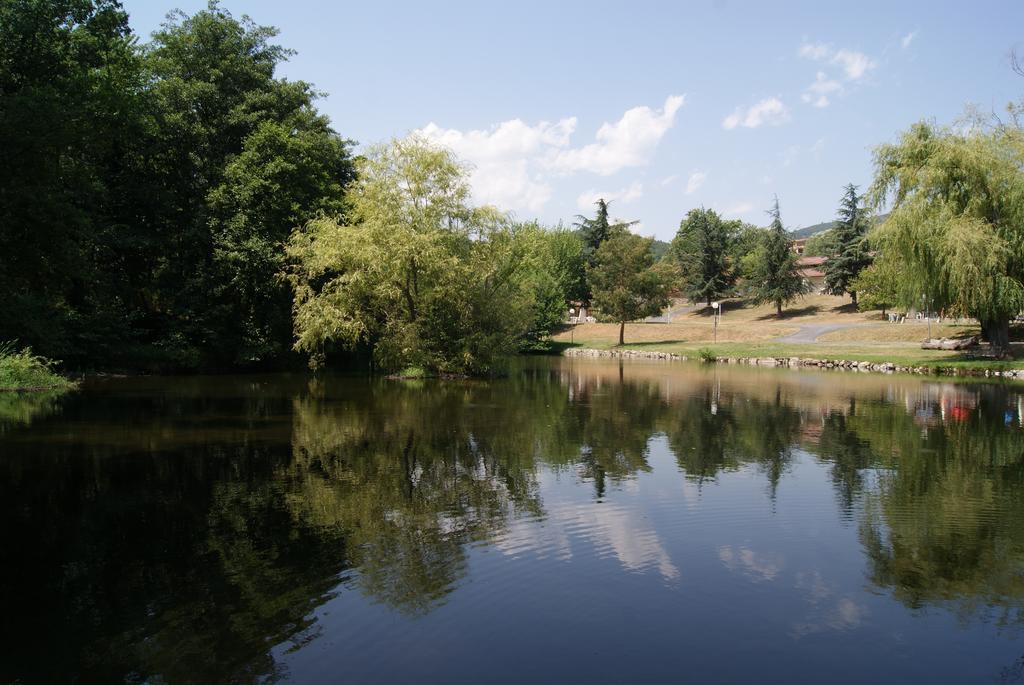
(806, 362)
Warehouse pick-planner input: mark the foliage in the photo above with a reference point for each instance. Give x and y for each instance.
(957, 221)
(23, 370)
(555, 277)
(71, 115)
(145, 193)
(878, 285)
(414, 272)
(245, 159)
(627, 283)
(701, 249)
(593, 233)
(821, 244)
(849, 255)
(707, 355)
(772, 268)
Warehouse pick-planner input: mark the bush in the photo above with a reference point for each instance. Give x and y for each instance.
(707, 356)
(26, 371)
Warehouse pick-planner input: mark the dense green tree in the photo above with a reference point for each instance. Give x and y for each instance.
(957, 220)
(820, 244)
(555, 276)
(627, 283)
(701, 249)
(773, 272)
(878, 285)
(243, 158)
(145, 194)
(593, 233)
(850, 255)
(71, 122)
(414, 271)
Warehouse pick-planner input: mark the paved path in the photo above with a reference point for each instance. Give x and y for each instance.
(809, 333)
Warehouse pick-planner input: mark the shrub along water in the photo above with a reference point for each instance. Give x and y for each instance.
(22, 370)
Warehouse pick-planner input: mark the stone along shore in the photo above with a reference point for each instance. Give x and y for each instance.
(805, 362)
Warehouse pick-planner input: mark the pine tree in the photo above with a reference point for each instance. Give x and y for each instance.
(594, 232)
(775, 276)
(701, 248)
(849, 255)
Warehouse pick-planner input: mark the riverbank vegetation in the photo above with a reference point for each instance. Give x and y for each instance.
(22, 370)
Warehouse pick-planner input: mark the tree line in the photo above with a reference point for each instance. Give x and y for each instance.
(176, 205)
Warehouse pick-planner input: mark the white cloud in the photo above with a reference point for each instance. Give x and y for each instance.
(739, 209)
(769, 111)
(818, 93)
(854, 64)
(695, 181)
(586, 200)
(629, 142)
(815, 51)
(504, 157)
(908, 39)
(669, 179)
(514, 162)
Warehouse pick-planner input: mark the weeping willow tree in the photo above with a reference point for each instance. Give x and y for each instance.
(957, 221)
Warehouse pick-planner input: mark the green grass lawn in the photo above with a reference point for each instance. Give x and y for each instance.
(900, 354)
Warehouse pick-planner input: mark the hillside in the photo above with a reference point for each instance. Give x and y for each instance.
(808, 231)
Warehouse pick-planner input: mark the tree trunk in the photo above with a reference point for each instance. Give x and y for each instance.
(778, 308)
(622, 332)
(853, 295)
(997, 332)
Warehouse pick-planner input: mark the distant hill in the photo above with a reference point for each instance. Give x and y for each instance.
(659, 248)
(828, 225)
(808, 231)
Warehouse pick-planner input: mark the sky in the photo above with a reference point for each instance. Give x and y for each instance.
(659, 107)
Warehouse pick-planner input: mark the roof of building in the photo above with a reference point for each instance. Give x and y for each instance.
(811, 261)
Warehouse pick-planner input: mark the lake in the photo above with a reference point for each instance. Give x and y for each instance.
(578, 521)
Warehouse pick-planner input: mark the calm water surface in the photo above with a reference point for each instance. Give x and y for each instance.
(579, 521)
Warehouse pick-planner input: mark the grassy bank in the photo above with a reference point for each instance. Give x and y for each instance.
(24, 371)
(838, 333)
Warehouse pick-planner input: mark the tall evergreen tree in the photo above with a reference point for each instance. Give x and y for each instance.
(775, 277)
(849, 254)
(594, 232)
(701, 249)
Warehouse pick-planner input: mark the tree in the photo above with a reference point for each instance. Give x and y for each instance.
(773, 267)
(413, 271)
(878, 285)
(821, 244)
(701, 249)
(627, 283)
(957, 221)
(242, 158)
(71, 130)
(555, 276)
(594, 232)
(145, 194)
(850, 255)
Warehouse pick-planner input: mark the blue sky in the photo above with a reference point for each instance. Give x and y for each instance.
(661, 106)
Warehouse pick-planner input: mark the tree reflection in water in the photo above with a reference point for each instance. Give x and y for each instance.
(158, 525)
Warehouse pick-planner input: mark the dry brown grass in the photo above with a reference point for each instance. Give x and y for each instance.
(905, 332)
(810, 309)
(607, 334)
(743, 323)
